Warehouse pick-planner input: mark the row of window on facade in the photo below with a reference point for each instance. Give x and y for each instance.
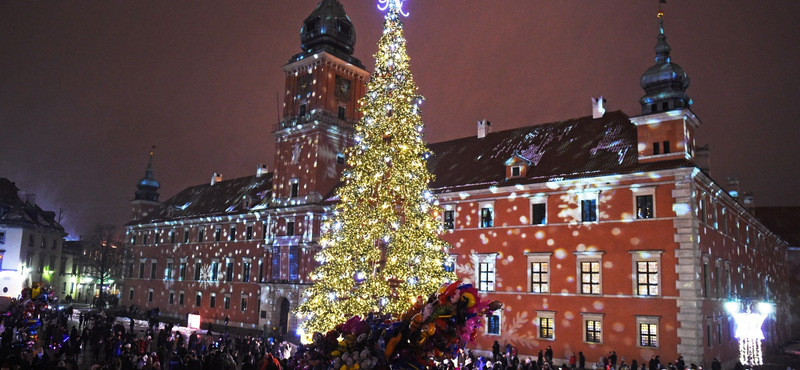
(43, 265)
(212, 272)
(32, 241)
(644, 209)
(180, 299)
(647, 328)
(719, 219)
(218, 235)
(646, 273)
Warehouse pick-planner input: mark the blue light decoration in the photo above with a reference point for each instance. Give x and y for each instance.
(392, 5)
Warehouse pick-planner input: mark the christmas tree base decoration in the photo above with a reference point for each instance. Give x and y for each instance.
(431, 330)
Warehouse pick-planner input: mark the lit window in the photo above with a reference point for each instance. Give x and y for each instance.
(590, 272)
(593, 328)
(545, 320)
(485, 271)
(590, 277)
(648, 331)
(539, 272)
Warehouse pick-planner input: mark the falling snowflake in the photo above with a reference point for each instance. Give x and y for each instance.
(207, 276)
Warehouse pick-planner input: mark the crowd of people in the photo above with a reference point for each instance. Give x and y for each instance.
(98, 341)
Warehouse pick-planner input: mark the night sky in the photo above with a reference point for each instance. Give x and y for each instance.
(86, 87)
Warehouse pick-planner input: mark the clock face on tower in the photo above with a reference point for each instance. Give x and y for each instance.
(304, 84)
(343, 86)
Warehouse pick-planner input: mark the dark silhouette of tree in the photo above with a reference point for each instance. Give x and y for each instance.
(103, 257)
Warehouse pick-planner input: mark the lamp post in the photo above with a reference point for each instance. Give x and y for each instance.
(748, 328)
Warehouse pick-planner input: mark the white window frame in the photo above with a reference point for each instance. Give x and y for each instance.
(499, 314)
(519, 171)
(538, 200)
(477, 259)
(589, 195)
(593, 316)
(447, 208)
(545, 315)
(593, 256)
(481, 207)
(643, 191)
(645, 256)
(539, 258)
(650, 320)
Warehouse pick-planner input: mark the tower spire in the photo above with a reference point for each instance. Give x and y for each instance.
(665, 83)
(148, 186)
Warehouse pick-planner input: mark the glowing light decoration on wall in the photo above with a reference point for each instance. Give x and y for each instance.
(193, 321)
(392, 5)
(748, 330)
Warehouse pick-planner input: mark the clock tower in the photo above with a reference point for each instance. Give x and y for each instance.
(320, 105)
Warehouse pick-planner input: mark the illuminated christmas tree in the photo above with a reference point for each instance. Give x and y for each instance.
(382, 249)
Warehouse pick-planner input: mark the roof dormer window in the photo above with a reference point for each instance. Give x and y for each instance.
(517, 167)
(343, 28)
(246, 202)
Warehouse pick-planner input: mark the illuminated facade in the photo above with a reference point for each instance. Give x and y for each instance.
(30, 243)
(598, 233)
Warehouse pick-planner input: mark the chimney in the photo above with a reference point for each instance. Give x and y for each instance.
(598, 107)
(733, 188)
(31, 199)
(702, 158)
(23, 195)
(217, 177)
(749, 201)
(484, 128)
(261, 170)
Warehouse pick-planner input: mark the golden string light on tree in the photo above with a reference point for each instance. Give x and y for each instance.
(382, 249)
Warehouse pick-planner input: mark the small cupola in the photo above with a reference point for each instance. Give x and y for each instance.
(666, 127)
(517, 167)
(148, 186)
(329, 29)
(665, 83)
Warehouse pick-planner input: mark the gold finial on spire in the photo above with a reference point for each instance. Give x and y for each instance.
(661, 15)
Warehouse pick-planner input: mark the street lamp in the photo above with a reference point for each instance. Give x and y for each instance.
(748, 328)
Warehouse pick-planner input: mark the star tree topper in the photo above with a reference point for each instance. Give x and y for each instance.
(393, 6)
